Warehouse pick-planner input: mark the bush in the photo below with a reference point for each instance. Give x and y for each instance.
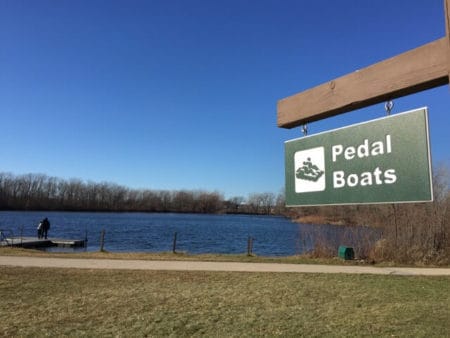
(417, 233)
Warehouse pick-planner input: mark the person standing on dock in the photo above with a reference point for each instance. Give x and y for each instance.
(45, 227)
(40, 229)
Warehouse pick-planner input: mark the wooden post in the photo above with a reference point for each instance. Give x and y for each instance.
(249, 246)
(395, 224)
(447, 31)
(174, 247)
(21, 235)
(102, 240)
(422, 68)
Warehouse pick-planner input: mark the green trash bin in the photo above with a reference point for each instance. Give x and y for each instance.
(346, 253)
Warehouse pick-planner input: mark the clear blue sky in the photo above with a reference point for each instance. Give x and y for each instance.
(175, 94)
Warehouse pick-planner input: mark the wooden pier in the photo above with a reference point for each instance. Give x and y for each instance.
(33, 242)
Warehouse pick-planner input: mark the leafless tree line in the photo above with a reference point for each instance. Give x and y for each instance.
(41, 192)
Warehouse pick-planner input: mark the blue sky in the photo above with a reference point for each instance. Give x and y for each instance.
(176, 94)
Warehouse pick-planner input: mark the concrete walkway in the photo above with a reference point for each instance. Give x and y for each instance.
(77, 263)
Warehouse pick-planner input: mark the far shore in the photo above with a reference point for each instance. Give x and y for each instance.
(319, 220)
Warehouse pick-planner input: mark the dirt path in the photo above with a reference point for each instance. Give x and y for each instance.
(212, 266)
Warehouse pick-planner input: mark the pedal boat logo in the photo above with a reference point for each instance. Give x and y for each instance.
(310, 170)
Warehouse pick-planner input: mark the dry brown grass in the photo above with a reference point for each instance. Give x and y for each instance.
(63, 302)
(318, 219)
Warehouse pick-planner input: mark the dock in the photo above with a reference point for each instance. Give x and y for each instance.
(33, 242)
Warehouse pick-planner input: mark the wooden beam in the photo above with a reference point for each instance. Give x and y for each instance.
(447, 28)
(416, 70)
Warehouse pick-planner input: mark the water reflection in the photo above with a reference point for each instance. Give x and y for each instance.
(148, 232)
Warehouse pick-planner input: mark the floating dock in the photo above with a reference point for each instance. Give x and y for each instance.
(33, 242)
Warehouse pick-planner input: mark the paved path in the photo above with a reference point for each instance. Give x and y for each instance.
(211, 266)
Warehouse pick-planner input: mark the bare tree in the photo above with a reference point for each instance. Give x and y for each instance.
(41, 192)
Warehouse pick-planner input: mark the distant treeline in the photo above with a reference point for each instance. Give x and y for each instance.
(41, 192)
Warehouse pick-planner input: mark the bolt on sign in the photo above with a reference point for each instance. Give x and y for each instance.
(386, 160)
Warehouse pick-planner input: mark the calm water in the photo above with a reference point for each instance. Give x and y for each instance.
(152, 232)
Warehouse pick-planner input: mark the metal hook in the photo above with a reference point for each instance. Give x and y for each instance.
(388, 107)
(305, 129)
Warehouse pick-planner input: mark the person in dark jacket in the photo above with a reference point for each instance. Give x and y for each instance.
(45, 227)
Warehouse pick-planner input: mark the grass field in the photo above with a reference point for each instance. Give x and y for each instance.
(66, 302)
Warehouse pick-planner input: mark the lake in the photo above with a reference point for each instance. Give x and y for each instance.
(196, 233)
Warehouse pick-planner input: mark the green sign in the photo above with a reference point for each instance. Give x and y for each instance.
(381, 161)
